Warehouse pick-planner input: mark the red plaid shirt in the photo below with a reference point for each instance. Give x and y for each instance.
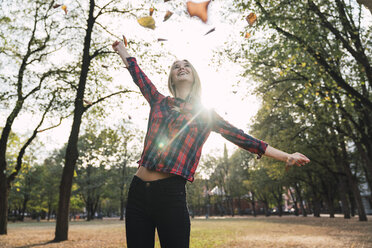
(177, 130)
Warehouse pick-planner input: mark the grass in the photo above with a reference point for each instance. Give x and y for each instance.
(288, 231)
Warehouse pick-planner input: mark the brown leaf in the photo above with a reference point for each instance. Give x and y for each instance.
(198, 9)
(151, 11)
(87, 102)
(147, 22)
(247, 35)
(167, 15)
(251, 19)
(161, 39)
(125, 41)
(105, 66)
(57, 5)
(210, 31)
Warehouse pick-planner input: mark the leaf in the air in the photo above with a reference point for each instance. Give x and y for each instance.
(198, 9)
(57, 5)
(251, 19)
(151, 11)
(210, 31)
(64, 7)
(147, 22)
(167, 15)
(125, 41)
(247, 35)
(161, 39)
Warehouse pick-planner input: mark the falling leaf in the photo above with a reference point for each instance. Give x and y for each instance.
(18, 189)
(303, 64)
(105, 66)
(64, 7)
(166, 1)
(234, 91)
(147, 22)
(151, 11)
(129, 117)
(87, 102)
(125, 41)
(198, 9)
(247, 35)
(210, 31)
(161, 39)
(56, 5)
(251, 19)
(167, 15)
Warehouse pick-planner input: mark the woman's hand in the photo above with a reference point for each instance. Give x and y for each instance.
(297, 159)
(290, 159)
(119, 47)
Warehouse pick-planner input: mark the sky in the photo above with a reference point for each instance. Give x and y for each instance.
(185, 40)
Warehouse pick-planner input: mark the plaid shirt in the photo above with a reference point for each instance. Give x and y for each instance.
(177, 130)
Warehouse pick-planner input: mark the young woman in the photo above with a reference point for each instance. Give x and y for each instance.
(177, 128)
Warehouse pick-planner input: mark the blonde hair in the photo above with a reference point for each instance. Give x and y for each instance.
(195, 93)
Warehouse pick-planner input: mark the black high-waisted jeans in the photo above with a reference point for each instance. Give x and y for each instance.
(159, 204)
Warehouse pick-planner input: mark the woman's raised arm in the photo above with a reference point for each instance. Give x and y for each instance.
(147, 88)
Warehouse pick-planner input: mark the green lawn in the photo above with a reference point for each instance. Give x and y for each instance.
(271, 231)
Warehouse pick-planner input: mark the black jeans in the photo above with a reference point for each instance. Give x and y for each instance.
(159, 204)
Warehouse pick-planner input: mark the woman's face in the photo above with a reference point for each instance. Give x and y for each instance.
(181, 72)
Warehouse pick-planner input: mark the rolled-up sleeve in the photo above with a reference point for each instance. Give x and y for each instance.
(237, 136)
(147, 88)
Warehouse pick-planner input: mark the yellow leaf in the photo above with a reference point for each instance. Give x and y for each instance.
(147, 22)
(75, 174)
(64, 7)
(317, 94)
(303, 64)
(18, 189)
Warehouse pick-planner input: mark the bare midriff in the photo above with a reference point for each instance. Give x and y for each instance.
(151, 175)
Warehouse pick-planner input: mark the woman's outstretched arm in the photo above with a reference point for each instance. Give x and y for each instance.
(247, 142)
(291, 159)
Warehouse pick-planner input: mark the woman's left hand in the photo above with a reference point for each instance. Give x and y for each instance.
(297, 159)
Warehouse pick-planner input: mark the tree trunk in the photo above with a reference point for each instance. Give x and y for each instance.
(367, 4)
(61, 232)
(122, 204)
(4, 193)
(343, 196)
(353, 183)
(298, 193)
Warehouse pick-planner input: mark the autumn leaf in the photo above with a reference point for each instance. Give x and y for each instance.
(161, 39)
(210, 31)
(87, 102)
(105, 66)
(198, 9)
(251, 19)
(147, 22)
(151, 11)
(57, 5)
(247, 35)
(125, 41)
(64, 7)
(167, 15)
